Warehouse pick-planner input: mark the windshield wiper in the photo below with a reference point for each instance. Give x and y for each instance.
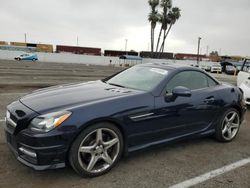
(116, 85)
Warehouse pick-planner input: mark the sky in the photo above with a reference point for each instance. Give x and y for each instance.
(223, 25)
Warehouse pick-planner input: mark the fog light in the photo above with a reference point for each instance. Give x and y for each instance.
(27, 152)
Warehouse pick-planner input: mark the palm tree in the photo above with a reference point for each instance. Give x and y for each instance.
(163, 19)
(160, 20)
(153, 19)
(173, 16)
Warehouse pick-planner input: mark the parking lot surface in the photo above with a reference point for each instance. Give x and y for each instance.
(160, 167)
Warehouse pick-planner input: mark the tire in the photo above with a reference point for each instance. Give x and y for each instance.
(91, 155)
(33, 59)
(228, 126)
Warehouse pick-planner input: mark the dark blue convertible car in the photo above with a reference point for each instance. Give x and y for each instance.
(91, 125)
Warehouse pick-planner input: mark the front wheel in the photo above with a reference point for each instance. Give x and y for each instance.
(96, 150)
(229, 126)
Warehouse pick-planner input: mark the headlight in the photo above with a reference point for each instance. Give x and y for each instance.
(47, 122)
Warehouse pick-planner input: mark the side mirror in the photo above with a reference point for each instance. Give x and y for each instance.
(178, 91)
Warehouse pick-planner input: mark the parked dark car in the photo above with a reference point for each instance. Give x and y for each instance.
(231, 70)
(91, 125)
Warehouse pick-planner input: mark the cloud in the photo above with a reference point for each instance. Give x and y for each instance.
(221, 24)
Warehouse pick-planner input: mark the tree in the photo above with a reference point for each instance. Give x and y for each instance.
(173, 16)
(163, 19)
(167, 18)
(214, 56)
(153, 19)
(214, 53)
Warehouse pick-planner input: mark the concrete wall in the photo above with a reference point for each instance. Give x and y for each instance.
(84, 59)
(62, 57)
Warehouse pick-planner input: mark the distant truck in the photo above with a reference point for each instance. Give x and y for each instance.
(28, 57)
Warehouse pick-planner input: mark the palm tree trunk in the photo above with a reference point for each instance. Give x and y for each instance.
(160, 50)
(163, 40)
(165, 36)
(158, 41)
(153, 39)
(152, 47)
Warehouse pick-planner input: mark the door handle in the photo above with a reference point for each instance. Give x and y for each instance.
(209, 100)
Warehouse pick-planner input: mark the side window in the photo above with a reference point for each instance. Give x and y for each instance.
(211, 82)
(190, 79)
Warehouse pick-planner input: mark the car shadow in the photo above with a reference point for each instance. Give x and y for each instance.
(176, 145)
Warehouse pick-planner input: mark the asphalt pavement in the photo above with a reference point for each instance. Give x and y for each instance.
(161, 167)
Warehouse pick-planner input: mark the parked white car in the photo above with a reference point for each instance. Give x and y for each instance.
(243, 80)
(216, 67)
(205, 67)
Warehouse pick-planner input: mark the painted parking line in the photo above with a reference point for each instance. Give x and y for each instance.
(212, 174)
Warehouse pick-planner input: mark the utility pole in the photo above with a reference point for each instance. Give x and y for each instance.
(25, 37)
(198, 52)
(126, 43)
(207, 50)
(77, 42)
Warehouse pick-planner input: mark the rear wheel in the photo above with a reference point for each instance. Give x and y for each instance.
(229, 126)
(96, 150)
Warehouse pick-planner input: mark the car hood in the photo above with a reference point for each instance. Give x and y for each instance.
(68, 96)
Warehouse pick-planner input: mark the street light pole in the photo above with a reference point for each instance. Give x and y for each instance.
(25, 37)
(198, 52)
(126, 43)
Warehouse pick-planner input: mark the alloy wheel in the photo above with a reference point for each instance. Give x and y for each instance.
(231, 124)
(99, 150)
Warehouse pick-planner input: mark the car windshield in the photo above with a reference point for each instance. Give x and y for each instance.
(138, 77)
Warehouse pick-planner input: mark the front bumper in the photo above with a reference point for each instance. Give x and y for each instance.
(39, 153)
